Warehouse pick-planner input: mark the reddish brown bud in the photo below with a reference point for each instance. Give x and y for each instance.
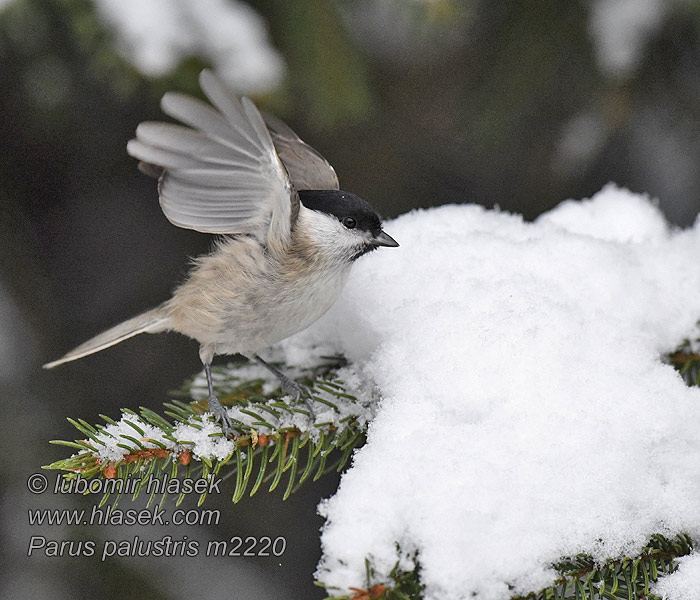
(360, 594)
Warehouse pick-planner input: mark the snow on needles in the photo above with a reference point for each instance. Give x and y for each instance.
(684, 584)
(527, 410)
(201, 434)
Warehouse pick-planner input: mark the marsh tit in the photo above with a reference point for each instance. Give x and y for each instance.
(289, 235)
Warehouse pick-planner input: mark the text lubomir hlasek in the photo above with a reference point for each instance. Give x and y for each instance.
(153, 485)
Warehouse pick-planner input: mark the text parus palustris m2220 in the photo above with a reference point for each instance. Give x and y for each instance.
(289, 235)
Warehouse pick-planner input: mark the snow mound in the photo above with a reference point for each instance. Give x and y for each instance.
(527, 412)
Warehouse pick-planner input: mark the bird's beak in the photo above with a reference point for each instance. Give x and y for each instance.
(384, 239)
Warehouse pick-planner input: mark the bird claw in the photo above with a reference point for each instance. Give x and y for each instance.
(294, 389)
(298, 392)
(289, 387)
(220, 415)
(225, 423)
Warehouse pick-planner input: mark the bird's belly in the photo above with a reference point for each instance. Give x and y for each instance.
(277, 312)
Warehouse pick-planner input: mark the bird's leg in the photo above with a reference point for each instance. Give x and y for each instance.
(214, 404)
(289, 387)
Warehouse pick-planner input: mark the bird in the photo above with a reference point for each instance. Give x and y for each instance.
(287, 235)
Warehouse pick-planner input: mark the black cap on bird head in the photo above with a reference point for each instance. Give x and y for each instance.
(352, 211)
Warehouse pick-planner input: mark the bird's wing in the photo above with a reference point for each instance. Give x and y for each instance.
(221, 174)
(307, 169)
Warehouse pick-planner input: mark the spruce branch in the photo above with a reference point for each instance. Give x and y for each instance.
(275, 438)
(686, 360)
(581, 576)
(615, 579)
(400, 584)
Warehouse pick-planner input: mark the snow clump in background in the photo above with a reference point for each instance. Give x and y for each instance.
(155, 35)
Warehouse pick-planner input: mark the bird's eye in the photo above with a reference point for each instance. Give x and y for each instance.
(349, 222)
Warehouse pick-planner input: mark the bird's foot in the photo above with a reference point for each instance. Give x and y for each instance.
(294, 389)
(220, 415)
(297, 391)
(289, 387)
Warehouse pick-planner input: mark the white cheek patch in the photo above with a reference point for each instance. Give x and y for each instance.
(331, 235)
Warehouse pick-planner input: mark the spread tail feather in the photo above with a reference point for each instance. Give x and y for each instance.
(151, 321)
